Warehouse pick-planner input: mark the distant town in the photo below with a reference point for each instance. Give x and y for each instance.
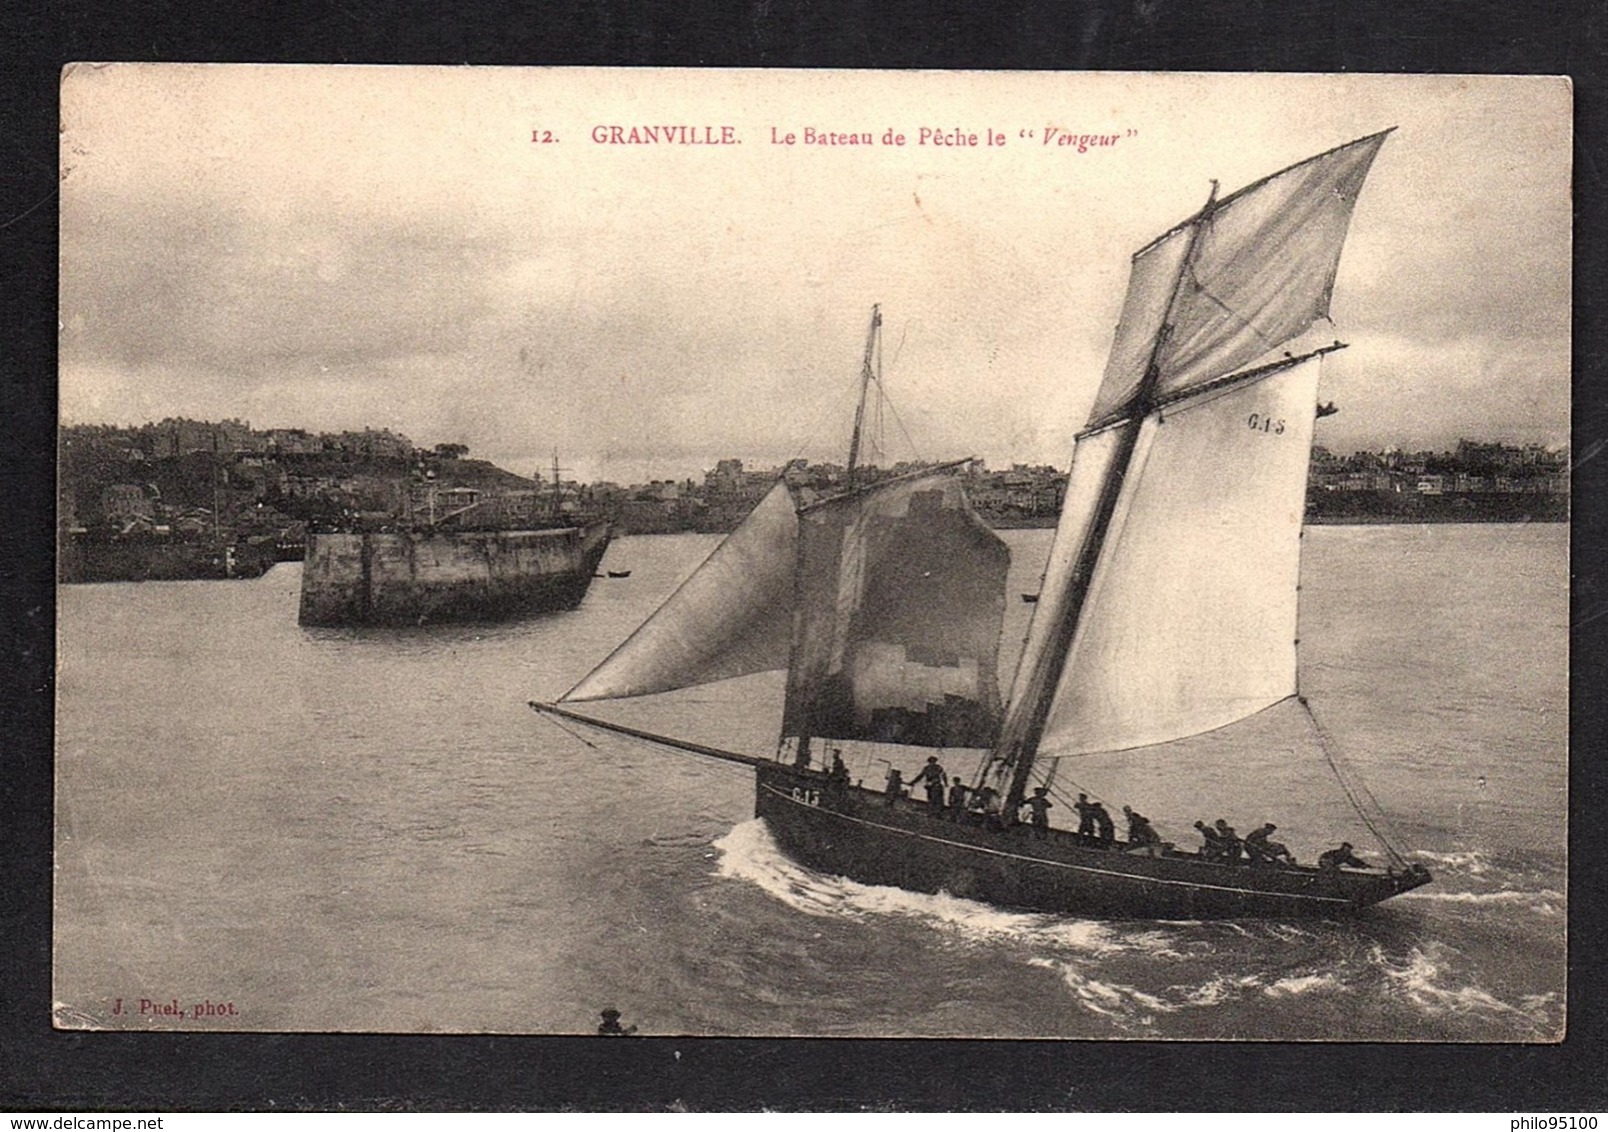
(225, 482)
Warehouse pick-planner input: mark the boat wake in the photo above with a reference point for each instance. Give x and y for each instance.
(1423, 982)
(1471, 861)
(1424, 979)
(1148, 978)
(749, 853)
(1544, 902)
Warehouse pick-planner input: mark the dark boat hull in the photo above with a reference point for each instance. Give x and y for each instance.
(853, 833)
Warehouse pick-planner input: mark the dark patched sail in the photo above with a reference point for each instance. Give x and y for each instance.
(901, 594)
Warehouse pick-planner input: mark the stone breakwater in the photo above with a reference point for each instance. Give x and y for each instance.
(413, 577)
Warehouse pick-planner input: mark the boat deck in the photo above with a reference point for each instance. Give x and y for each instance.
(854, 832)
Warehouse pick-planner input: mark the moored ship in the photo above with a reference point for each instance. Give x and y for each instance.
(133, 558)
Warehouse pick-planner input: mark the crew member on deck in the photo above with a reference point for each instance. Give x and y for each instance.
(1212, 849)
(895, 786)
(985, 803)
(837, 776)
(610, 1026)
(1107, 827)
(1040, 801)
(957, 798)
(1141, 834)
(1085, 809)
(1332, 860)
(1229, 842)
(932, 776)
(1262, 851)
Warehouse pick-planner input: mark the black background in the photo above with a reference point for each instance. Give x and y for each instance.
(41, 1069)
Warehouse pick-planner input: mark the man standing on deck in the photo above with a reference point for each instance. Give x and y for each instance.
(1107, 827)
(837, 778)
(1041, 804)
(957, 799)
(1085, 809)
(932, 776)
(985, 803)
(895, 789)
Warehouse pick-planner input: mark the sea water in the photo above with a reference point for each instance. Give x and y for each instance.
(275, 828)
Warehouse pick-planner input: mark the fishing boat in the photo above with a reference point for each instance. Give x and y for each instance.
(1167, 609)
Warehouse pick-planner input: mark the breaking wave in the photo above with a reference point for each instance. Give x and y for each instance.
(1420, 976)
(1545, 902)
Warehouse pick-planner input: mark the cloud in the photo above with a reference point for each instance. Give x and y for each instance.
(190, 284)
(335, 247)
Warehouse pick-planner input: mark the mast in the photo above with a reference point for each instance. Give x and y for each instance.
(801, 753)
(866, 375)
(1020, 757)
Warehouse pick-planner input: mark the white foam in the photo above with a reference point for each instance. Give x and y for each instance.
(1223, 988)
(749, 853)
(1117, 1001)
(1420, 979)
(1470, 861)
(1545, 902)
(1072, 947)
(1302, 984)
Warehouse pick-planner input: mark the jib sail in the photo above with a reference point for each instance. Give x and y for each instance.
(731, 617)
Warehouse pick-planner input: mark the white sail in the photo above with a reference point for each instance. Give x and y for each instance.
(731, 617)
(1237, 281)
(1091, 465)
(1152, 279)
(1190, 619)
(1263, 266)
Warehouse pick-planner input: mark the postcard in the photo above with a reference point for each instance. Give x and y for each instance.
(813, 553)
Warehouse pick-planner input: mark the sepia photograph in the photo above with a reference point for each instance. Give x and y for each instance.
(588, 551)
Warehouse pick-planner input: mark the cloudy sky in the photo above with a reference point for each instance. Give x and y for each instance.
(344, 247)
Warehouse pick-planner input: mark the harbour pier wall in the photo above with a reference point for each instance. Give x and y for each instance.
(410, 577)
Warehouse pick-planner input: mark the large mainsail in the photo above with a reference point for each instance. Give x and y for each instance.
(901, 594)
(1190, 618)
(1168, 605)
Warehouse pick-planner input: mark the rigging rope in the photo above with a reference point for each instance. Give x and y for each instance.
(884, 400)
(579, 738)
(1356, 792)
(828, 410)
